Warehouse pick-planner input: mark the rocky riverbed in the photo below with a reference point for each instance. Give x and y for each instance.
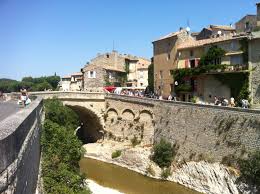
(200, 176)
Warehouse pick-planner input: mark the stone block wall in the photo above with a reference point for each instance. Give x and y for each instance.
(20, 150)
(254, 58)
(126, 118)
(207, 133)
(200, 132)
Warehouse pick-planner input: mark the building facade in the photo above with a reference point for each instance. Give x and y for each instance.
(115, 69)
(164, 57)
(181, 52)
(73, 82)
(250, 22)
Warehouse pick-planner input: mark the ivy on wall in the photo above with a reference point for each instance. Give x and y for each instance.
(238, 84)
(237, 81)
(209, 61)
(151, 77)
(244, 47)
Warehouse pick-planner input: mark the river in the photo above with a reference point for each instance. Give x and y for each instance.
(127, 181)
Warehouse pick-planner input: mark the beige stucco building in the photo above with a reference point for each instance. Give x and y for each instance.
(73, 82)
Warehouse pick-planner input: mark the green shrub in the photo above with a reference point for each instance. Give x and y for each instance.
(116, 154)
(250, 169)
(229, 160)
(166, 173)
(135, 141)
(163, 153)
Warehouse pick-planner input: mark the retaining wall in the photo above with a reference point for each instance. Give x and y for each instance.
(20, 150)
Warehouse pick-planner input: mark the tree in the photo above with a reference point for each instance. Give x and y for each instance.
(61, 150)
(212, 56)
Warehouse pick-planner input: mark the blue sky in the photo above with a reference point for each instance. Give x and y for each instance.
(41, 37)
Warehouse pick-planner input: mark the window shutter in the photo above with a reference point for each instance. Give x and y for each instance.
(186, 63)
(197, 62)
(94, 74)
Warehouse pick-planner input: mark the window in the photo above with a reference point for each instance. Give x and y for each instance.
(91, 74)
(161, 74)
(171, 87)
(247, 26)
(217, 61)
(141, 74)
(236, 60)
(191, 53)
(168, 56)
(192, 63)
(141, 84)
(107, 55)
(110, 75)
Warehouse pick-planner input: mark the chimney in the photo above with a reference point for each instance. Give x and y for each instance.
(258, 14)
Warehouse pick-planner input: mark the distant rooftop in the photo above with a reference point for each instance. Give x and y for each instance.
(172, 34)
(203, 42)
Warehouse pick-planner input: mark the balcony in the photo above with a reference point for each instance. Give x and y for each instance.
(227, 69)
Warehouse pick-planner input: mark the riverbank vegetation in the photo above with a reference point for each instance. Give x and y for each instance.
(30, 83)
(163, 153)
(250, 169)
(61, 150)
(116, 154)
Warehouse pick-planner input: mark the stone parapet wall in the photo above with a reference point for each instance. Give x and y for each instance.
(20, 150)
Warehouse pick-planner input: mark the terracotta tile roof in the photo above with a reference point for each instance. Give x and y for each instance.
(67, 76)
(113, 69)
(228, 28)
(200, 43)
(168, 36)
(77, 73)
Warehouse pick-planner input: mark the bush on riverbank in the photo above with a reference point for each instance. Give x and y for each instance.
(116, 154)
(163, 153)
(61, 150)
(250, 169)
(166, 173)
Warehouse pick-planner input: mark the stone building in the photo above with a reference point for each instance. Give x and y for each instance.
(207, 85)
(115, 69)
(164, 57)
(72, 82)
(214, 31)
(138, 73)
(249, 22)
(182, 50)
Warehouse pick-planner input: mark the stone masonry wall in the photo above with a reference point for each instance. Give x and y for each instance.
(20, 150)
(254, 58)
(200, 132)
(126, 119)
(205, 133)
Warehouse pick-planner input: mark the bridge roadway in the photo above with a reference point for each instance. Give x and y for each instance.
(8, 108)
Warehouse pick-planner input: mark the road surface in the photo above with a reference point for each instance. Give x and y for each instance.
(8, 108)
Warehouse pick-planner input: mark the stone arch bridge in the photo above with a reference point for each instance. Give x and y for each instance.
(123, 118)
(108, 115)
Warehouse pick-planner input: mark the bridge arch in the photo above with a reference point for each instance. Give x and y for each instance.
(146, 115)
(128, 114)
(91, 128)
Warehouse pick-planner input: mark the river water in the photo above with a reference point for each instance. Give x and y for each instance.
(127, 181)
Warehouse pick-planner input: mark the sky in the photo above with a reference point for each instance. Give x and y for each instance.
(41, 37)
